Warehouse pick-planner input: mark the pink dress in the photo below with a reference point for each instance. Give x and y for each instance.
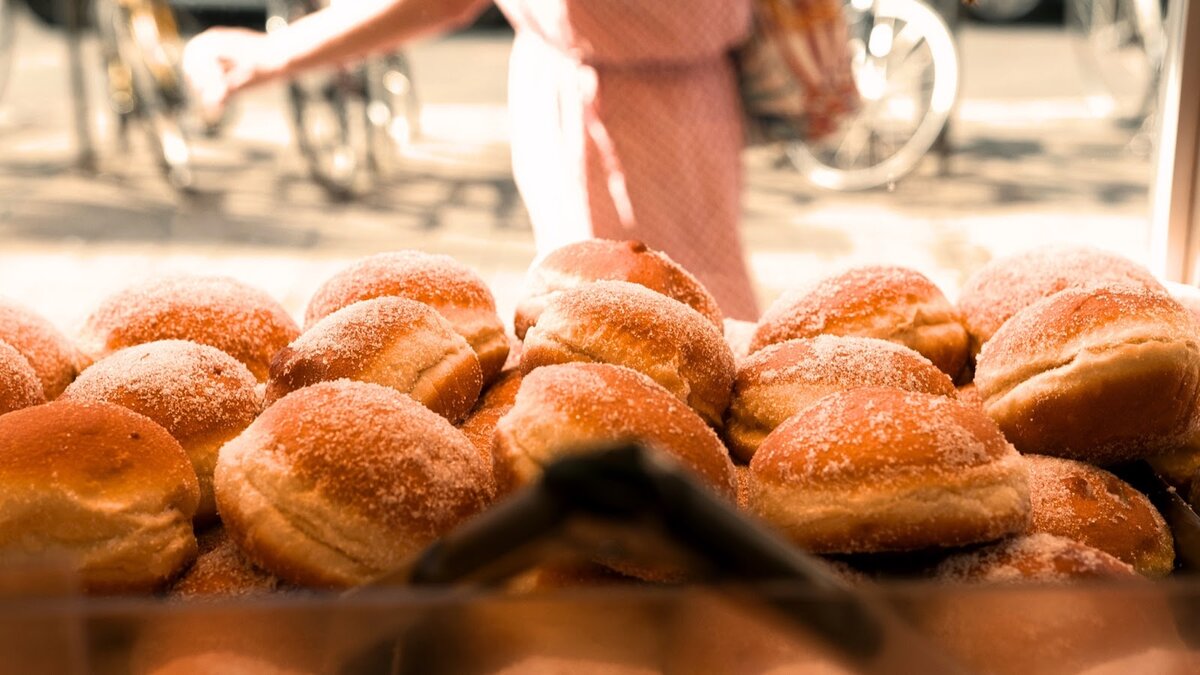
(626, 124)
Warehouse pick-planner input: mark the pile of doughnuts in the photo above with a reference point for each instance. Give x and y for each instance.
(864, 417)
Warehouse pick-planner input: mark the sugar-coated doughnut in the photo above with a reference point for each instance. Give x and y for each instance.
(1101, 374)
(882, 469)
(443, 283)
(238, 319)
(782, 379)
(19, 384)
(221, 570)
(610, 260)
(1009, 284)
(341, 481)
(1090, 505)
(202, 396)
(572, 407)
(98, 486)
(392, 341)
(891, 303)
(1039, 557)
(629, 325)
(51, 355)
(1158, 661)
(968, 394)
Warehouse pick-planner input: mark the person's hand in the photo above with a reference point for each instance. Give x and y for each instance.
(220, 62)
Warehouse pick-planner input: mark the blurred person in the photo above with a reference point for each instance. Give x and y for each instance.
(625, 115)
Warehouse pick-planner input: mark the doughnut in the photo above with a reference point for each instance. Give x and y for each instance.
(629, 325)
(480, 425)
(51, 355)
(202, 396)
(881, 469)
(591, 260)
(1009, 284)
(392, 341)
(569, 408)
(220, 312)
(1040, 557)
(221, 570)
(782, 379)
(339, 482)
(1101, 374)
(98, 486)
(1090, 505)
(19, 384)
(891, 303)
(443, 283)
(1041, 605)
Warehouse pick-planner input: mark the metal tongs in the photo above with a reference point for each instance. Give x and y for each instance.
(638, 504)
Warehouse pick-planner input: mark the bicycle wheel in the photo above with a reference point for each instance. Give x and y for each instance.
(1121, 44)
(393, 111)
(144, 36)
(329, 115)
(6, 42)
(905, 66)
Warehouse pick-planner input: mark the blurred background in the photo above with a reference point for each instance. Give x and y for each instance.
(1046, 139)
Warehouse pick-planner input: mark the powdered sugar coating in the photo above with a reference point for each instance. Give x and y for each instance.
(221, 571)
(393, 341)
(221, 312)
(454, 290)
(891, 303)
(877, 435)
(609, 260)
(19, 384)
(1007, 285)
(189, 388)
(51, 355)
(626, 324)
(1090, 505)
(1041, 557)
(782, 379)
(377, 454)
(563, 408)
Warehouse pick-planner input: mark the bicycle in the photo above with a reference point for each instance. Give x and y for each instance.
(140, 49)
(1122, 44)
(904, 66)
(350, 124)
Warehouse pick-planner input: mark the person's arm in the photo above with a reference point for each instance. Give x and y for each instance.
(352, 29)
(222, 61)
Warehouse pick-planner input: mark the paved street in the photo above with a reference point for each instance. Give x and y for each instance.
(1030, 162)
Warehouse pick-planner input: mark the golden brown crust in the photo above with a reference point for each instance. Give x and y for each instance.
(392, 341)
(51, 355)
(1039, 557)
(891, 303)
(567, 408)
(19, 384)
(1090, 505)
(1007, 285)
(338, 482)
(879, 469)
(199, 394)
(968, 394)
(100, 486)
(1085, 374)
(782, 379)
(608, 260)
(480, 425)
(221, 570)
(451, 288)
(238, 319)
(628, 325)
